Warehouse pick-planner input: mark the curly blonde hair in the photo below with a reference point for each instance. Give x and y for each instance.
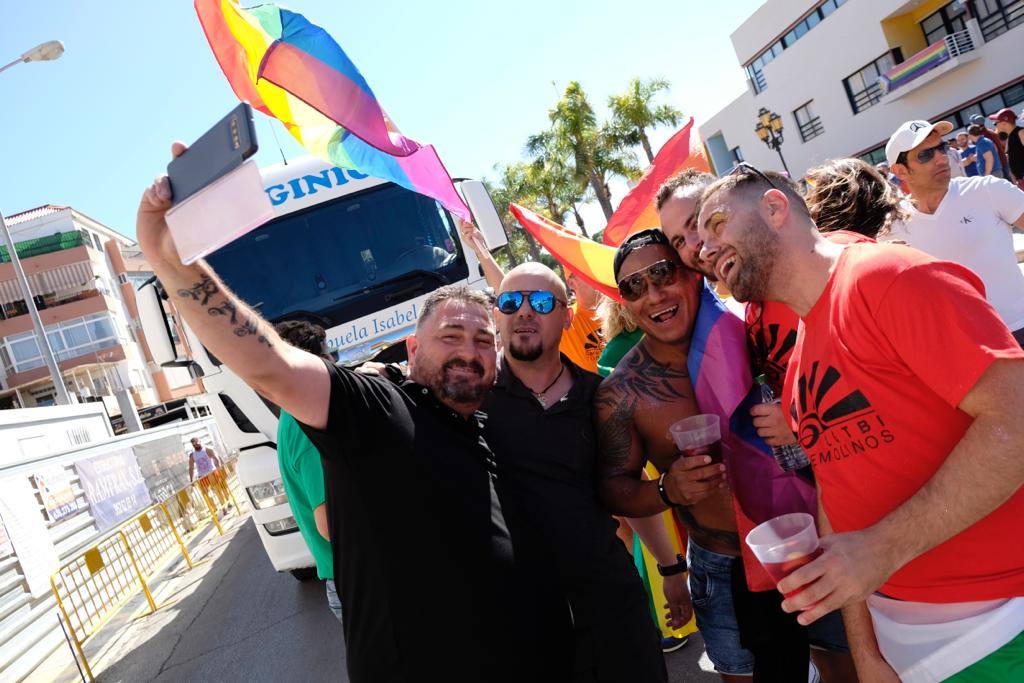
(614, 318)
(849, 194)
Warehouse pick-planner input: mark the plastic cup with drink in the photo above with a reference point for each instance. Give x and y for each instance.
(700, 433)
(784, 544)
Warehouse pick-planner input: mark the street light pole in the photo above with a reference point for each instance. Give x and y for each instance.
(46, 51)
(769, 131)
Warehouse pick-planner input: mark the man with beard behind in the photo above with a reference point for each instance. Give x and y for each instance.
(542, 432)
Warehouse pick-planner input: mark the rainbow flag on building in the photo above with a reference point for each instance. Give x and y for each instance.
(292, 70)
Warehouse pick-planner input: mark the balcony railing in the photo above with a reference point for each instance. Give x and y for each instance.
(16, 308)
(952, 46)
(811, 129)
(45, 245)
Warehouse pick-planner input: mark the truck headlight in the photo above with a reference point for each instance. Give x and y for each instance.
(281, 526)
(267, 494)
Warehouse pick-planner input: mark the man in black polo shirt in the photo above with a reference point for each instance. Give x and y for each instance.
(541, 429)
(421, 550)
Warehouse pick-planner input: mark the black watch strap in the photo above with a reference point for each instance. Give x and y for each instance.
(671, 570)
(663, 493)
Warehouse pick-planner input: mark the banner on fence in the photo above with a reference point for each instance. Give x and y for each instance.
(114, 487)
(27, 530)
(164, 466)
(54, 486)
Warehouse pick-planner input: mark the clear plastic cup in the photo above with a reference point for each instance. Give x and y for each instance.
(700, 432)
(785, 543)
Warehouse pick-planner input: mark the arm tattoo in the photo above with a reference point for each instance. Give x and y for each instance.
(244, 325)
(200, 291)
(615, 439)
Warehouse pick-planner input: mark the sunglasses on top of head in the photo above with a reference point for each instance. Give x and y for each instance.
(744, 167)
(660, 274)
(541, 301)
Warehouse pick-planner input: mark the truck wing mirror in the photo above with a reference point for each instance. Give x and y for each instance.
(154, 324)
(484, 213)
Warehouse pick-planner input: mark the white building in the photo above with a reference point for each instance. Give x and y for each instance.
(818, 66)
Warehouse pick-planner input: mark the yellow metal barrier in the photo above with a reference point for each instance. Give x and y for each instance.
(93, 586)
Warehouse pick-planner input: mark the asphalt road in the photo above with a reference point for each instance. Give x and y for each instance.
(233, 618)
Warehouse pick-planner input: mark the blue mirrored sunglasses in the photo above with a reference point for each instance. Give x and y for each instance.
(541, 301)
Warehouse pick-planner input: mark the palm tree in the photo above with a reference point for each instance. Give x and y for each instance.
(595, 156)
(633, 113)
(513, 186)
(552, 179)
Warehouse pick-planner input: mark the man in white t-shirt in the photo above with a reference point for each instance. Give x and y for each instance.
(966, 220)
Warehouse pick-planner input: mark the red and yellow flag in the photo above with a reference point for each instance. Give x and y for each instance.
(636, 211)
(590, 260)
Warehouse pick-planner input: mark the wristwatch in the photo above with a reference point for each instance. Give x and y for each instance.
(671, 570)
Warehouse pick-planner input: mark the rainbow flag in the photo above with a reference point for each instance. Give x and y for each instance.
(719, 366)
(292, 70)
(590, 260)
(925, 60)
(636, 210)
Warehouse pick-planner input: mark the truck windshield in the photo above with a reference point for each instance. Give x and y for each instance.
(325, 258)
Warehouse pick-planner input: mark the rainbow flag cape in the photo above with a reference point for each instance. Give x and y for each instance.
(590, 260)
(719, 368)
(292, 70)
(636, 210)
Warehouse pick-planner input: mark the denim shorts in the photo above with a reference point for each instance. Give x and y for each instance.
(711, 592)
(333, 601)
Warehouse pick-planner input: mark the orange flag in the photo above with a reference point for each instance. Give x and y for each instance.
(590, 260)
(636, 211)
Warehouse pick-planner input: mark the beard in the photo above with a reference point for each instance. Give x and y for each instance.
(458, 388)
(526, 352)
(760, 251)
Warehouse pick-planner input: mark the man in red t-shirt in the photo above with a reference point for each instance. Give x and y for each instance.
(905, 386)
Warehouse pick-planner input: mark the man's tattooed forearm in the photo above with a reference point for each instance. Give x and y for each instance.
(200, 291)
(244, 325)
(615, 438)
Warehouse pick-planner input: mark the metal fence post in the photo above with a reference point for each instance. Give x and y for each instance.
(209, 505)
(181, 542)
(74, 636)
(138, 572)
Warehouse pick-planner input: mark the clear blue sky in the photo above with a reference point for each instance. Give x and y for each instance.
(474, 78)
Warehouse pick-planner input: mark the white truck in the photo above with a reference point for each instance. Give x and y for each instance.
(354, 254)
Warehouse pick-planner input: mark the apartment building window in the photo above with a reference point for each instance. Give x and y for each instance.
(862, 87)
(755, 70)
(946, 20)
(69, 339)
(1010, 96)
(996, 17)
(875, 156)
(737, 155)
(808, 122)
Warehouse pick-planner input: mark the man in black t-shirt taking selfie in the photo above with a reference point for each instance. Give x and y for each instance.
(422, 555)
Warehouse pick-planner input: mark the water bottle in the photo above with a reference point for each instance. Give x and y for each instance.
(790, 457)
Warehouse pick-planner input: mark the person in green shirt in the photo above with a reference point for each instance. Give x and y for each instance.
(301, 471)
(620, 331)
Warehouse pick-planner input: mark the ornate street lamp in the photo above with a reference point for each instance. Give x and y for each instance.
(769, 131)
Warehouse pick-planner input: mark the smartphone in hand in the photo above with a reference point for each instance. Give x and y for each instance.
(219, 151)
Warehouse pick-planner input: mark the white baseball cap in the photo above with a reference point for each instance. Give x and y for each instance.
(910, 135)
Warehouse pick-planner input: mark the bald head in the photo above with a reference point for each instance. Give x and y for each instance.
(527, 335)
(532, 276)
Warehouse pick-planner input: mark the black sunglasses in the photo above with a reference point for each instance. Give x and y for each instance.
(744, 167)
(660, 274)
(926, 154)
(541, 301)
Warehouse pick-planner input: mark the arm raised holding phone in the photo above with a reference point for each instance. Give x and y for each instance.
(293, 379)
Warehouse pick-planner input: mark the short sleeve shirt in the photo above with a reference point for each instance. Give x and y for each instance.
(583, 342)
(973, 226)
(970, 169)
(882, 362)
(422, 556)
(983, 145)
(303, 479)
